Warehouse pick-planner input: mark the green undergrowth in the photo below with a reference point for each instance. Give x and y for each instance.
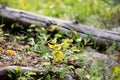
(57, 49)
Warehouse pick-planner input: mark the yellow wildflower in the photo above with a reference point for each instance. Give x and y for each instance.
(1, 48)
(67, 40)
(32, 26)
(64, 45)
(18, 37)
(54, 27)
(59, 56)
(54, 41)
(50, 46)
(10, 52)
(70, 40)
(55, 47)
(71, 67)
(43, 29)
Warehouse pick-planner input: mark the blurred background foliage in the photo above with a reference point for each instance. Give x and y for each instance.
(97, 13)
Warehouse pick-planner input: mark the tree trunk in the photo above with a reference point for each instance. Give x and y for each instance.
(100, 37)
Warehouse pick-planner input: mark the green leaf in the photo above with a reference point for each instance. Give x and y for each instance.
(40, 48)
(46, 63)
(29, 73)
(2, 25)
(10, 76)
(18, 70)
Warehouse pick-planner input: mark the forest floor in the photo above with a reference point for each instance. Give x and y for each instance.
(13, 53)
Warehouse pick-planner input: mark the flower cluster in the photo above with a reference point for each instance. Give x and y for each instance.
(9, 52)
(57, 53)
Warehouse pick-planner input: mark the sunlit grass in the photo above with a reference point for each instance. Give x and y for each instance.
(99, 13)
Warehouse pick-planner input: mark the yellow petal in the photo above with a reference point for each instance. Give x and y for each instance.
(1, 48)
(71, 67)
(54, 27)
(10, 52)
(43, 29)
(67, 40)
(70, 40)
(50, 46)
(57, 47)
(54, 41)
(59, 55)
(32, 26)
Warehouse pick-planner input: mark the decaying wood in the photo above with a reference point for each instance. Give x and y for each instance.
(100, 37)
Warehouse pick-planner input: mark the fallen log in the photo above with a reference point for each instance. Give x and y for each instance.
(100, 37)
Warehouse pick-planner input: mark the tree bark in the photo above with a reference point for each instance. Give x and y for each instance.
(100, 37)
